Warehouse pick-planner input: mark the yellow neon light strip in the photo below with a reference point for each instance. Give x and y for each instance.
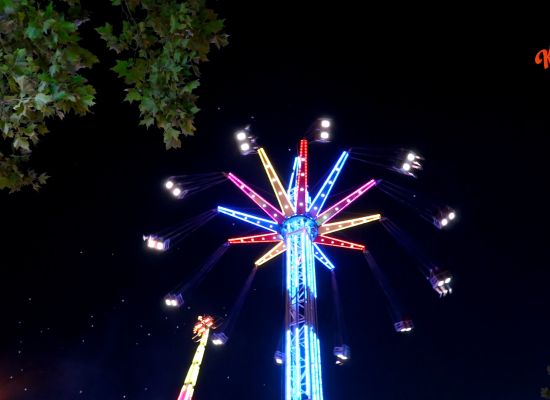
(274, 252)
(193, 372)
(348, 223)
(280, 192)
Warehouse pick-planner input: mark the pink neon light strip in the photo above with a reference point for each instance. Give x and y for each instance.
(332, 241)
(301, 186)
(264, 238)
(266, 206)
(186, 392)
(346, 201)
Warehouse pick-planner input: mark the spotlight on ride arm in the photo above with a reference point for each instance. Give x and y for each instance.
(342, 353)
(241, 136)
(279, 357)
(402, 326)
(169, 184)
(173, 300)
(441, 281)
(408, 163)
(321, 131)
(245, 141)
(444, 217)
(157, 243)
(219, 339)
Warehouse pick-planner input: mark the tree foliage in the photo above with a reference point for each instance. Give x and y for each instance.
(40, 64)
(160, 46)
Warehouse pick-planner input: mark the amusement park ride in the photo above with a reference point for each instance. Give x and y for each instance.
(299, 228)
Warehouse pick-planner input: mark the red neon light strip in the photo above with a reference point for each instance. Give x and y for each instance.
(346, 201)
(301, 186)
(331, 241)
(266, 206)
(264, 238)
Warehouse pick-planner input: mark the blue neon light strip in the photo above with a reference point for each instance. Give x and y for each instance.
(319, 255)
(251, 219)
(318, 367)
(317, 203)
(288, 369)
(292, 182)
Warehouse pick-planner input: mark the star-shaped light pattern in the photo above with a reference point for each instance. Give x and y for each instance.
(299, 227)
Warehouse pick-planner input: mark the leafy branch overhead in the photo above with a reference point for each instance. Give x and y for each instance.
(161, 44)
(40, 64)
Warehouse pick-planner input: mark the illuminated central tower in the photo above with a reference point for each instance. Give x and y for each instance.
(298, 227)
(303, 364)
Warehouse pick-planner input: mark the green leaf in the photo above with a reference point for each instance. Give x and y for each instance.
(32, 32)
(21, 143)
(191, 86)
(105, 31)
(41, 100)
(121, 68)
(133, 95)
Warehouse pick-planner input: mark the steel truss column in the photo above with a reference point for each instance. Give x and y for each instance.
(303, 364)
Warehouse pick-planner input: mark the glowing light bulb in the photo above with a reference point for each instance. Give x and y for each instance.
(241, 135)
(451, 215)
(324, 135)
(411, 156)
(444, 222)
(169, 185)
(176, 192)
(448, 280)
(168, 302)
(325, 123)
(160, 246)
(406, 167)
(245, 147)
(151, 243)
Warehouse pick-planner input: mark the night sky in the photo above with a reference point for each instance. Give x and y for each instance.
(81, 297)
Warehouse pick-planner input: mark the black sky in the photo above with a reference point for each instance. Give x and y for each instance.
(81, 299)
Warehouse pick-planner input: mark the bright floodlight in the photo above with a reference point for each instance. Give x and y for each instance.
(176, 192)
(325, 123)
(411, 156)
(440, 283)
(151, 243)
(451, 215)
(169, 185)
(219, 339)
(245, 147)
(173, 300)
(241, 135)
(160, 246)
(444, 222)
(324, 135)
(279, 357)
(448, 280)
(406, 167)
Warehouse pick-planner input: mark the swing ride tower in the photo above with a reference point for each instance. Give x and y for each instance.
(299, 227)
